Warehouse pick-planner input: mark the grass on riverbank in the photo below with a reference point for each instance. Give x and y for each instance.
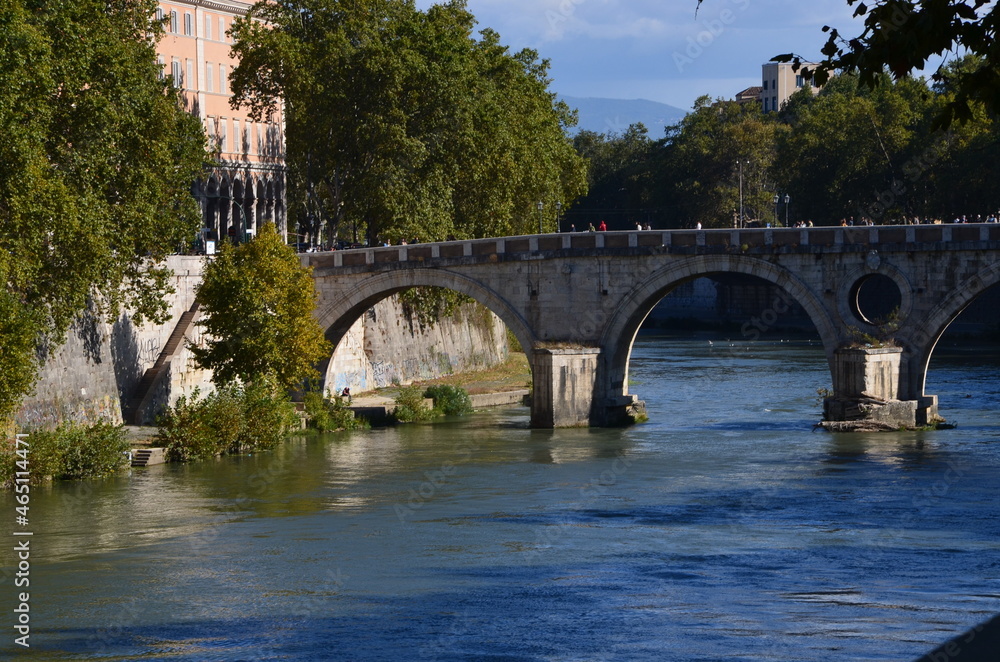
(512, 375)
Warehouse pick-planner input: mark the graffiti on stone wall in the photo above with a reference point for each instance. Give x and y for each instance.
(49, 413)
(148, 351)
(384, 373)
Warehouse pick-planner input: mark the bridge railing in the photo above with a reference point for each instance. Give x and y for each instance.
(721, 239)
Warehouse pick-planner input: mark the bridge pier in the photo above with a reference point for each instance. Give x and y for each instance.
(866, 391)
(563, 383)
(566, 391)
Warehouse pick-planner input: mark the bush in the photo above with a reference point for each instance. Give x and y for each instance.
(329, 415)
(410, 406)
(234, 419)
(268, 418)
(450, 400)
(93, 452)
(71, 451)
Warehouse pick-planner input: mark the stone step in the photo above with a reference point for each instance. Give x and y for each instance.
(145, 457)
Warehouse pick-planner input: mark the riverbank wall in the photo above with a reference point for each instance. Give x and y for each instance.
(389, 347)
(119, 372)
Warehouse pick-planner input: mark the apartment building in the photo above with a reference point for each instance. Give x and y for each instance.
(779, 81)
(246, 183)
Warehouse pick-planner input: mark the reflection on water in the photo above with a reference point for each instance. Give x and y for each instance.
(725, 528)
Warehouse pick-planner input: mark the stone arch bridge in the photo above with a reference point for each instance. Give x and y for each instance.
(576, 301)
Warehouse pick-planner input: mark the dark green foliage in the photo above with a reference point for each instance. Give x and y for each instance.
(97, 157)
(849, 151)
(901, 36)
(403, 123)
(427, 305)
(70, 452)
(450, 400)
(331, 414)
(410, 407)
(234, 419)
(93, 452)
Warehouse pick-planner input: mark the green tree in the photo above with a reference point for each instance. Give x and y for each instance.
(258, 302)
(97, 157)
(901, 36)
(702, 158)
(621, 186)
(400, 123)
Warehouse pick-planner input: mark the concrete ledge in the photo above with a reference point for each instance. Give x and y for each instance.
(485, 400)
(147, 457)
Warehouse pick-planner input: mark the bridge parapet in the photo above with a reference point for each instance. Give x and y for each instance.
(751, 242)
(591, 291)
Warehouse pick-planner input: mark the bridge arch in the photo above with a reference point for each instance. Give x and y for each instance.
(338, 317)
(921, 337)
(626, 319)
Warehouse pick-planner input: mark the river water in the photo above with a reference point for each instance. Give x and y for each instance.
(723, 529)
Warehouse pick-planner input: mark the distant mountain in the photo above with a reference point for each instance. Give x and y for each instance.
(615, 115)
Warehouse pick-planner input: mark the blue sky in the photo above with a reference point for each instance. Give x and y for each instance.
(660, 49)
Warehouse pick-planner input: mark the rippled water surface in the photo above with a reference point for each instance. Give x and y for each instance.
(723, 529)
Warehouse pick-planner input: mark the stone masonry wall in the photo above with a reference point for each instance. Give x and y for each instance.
(385, 347)
(94, 375)
(97, 370)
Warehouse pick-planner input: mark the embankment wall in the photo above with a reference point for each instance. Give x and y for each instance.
(95, 374)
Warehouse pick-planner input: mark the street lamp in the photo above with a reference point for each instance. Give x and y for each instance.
(540, 206)
(788, 199)
(558, 214)
(776, 199)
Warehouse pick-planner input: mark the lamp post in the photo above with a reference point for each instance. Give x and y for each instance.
(776, 199)
(558, 215)
(788, 199)
(540, 206)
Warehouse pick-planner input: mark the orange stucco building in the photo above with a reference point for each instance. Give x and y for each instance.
(246, 183)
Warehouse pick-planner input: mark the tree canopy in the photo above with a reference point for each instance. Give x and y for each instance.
(902, 36)
(257, 302)
(849, 151)
(97, 158)
(401, 124)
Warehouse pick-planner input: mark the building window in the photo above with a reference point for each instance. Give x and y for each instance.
(174, 25)
(176, 73)
(765, 106)
(188, 24)
(765, 86)
(774, 103)
(159, 15)
(209, 77)
(162, 64)
(799, 81)
(222, 79)
(208, 27)
(190, 75)
(222, 28)
(224, 137)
